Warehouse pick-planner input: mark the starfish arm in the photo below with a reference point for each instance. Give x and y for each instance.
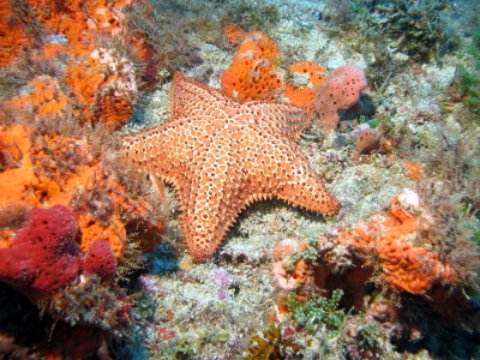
(304, 188)
(283, 173)
(214, 204)
(190, 98)
(167, 149)
(283, 119)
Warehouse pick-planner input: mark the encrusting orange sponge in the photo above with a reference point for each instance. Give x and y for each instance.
(413, 170)
(252, 74)
(45, 100)
(13, 38)
(405, 265)
(101, 81)
(105, 86)
(46, 170)
(303, 95)
(234, 34)
(316, 74)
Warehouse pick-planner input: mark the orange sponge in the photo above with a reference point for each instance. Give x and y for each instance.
(405, 265)
(45, 170)
(234, 34)
(304, 95)
(413, 170)
(13, 38)
(46, 99)
(105, 86)
(316, 74)
(252, 75)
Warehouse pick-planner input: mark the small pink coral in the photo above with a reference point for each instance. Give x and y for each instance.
(338, 92)
(368, 140)
(284, 280)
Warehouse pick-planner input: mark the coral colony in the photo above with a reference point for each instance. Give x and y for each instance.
(239, 180)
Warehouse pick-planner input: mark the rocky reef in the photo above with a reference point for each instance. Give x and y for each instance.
(239, 179)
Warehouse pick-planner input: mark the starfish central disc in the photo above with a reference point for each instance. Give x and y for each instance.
(221, 156)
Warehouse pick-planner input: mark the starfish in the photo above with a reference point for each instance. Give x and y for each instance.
(220, 156)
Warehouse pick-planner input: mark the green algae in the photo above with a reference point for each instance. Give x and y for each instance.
(318, 312)
(470, 78)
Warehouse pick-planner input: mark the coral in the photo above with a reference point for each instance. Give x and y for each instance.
(413, 170)
(114, 111)
(22, 186)
(293, 278)
(90, 301)
(172, 47)
(78, 66)
(288, 247)
(418, 29)
(162, 260)
(92, 230)
(252, 74)
(450, 188)
(93, 58)
(80, 21)
(12, 144)
(260, 16)
(291, 266)
(363, 339)
(16, 174)
(339, 91)
(44, 256)
(286, 281)
(391, 244)
(270, 344)
(74, 27)
(234, 34)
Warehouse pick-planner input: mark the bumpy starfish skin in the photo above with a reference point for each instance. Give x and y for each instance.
(221, 156)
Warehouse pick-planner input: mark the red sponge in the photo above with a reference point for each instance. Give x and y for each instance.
(44, 256)
(338, 92)
(100, 260)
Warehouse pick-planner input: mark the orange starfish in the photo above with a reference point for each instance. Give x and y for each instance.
(221, 156)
